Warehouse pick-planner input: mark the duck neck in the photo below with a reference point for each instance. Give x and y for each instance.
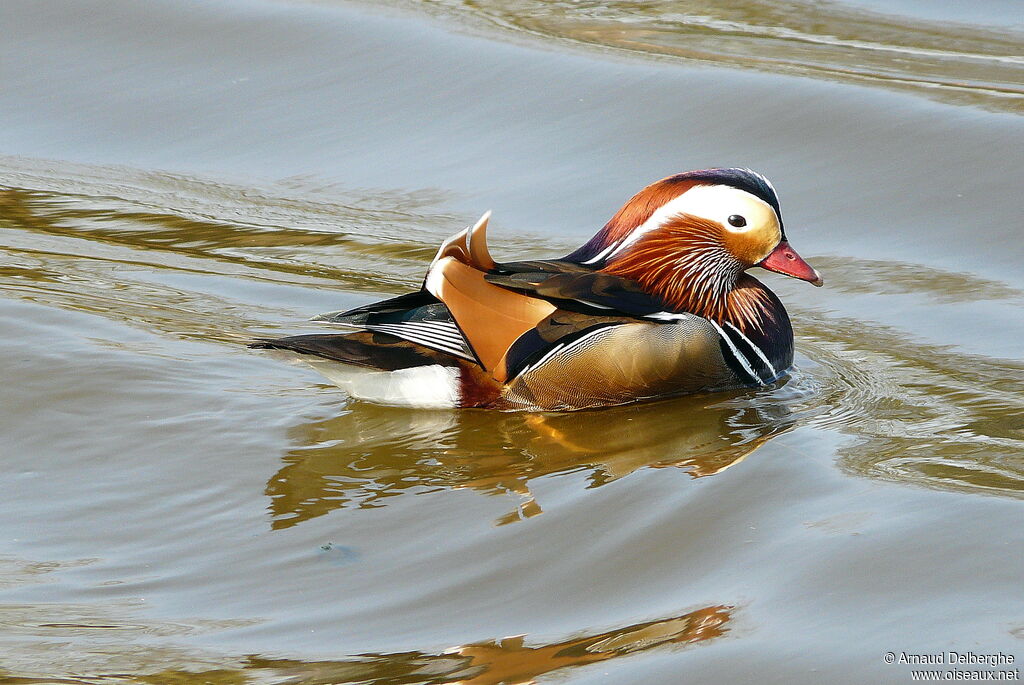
(710, 284)
(751, 307)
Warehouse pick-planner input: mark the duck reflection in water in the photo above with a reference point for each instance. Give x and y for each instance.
(510, 660)
(371, 452)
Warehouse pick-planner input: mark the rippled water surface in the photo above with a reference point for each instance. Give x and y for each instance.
(956, 52)
(176, 178)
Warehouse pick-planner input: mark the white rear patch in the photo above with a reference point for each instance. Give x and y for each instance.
(424, 387)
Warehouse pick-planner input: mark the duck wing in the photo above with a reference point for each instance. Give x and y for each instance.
(503, 316)
(490, 317)
(456, 312)
(580, 289)
(360, 348)
(417, 317)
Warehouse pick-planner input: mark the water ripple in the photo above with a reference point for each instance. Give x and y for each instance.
(919, 413)
(953, 62)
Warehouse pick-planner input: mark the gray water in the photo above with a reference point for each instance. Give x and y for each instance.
(176, 178)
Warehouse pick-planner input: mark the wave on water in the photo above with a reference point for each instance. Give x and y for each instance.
(954, 62)
(128, 246)
(113, 642)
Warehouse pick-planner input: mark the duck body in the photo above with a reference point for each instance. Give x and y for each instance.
(656, 304)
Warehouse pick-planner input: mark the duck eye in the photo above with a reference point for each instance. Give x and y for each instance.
(737, 221)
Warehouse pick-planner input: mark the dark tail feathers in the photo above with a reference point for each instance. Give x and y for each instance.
(372, 350)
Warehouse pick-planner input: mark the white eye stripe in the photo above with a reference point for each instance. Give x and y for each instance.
(714, 202)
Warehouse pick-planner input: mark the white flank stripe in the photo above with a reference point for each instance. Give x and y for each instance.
(566, 348)
(418, 326)
(736, 353)
(543, 359)
(666, 316)
(593, 304)
(406, 331)
(449, 331)
(438, 324)
(756, 349)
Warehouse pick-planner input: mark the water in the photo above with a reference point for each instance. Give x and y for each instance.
(955, 52)
(177, 178)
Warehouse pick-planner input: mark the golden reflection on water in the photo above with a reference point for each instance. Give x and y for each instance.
(896, 408)
(113, 222)
(107, 644)
(370, 453)
(99, 240)
(511, 660)
(353, 239)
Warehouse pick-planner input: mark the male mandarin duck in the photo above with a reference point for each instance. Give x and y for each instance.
(657, 303)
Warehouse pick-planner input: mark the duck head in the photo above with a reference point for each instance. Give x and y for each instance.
(690, 237)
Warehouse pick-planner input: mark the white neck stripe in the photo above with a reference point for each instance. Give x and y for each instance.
(600, 255)
(736, 353)
(757, 349)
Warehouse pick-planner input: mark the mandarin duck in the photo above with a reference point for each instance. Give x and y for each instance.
(657, 303)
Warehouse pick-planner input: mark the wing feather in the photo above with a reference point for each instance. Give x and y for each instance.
(589, 289)
(491, 318)
(500, 315)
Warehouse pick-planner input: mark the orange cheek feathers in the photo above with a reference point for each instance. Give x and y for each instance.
(750, 247)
